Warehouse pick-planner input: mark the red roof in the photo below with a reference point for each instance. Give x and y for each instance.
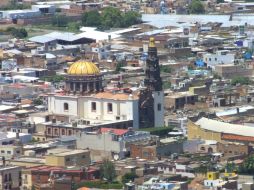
(115, 131)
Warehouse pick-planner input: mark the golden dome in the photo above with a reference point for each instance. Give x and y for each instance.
(83, 68)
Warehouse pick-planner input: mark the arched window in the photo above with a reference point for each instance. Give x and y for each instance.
(66, 106)
(202, 148)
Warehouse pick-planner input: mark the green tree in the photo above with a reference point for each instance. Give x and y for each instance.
(37, 102)
(166, 85)
(128, 177)
(196, 7)
(107, 170)
(165, 69)
(112, 17)
(17, 32)
(54, 79)
(73, 26)
(247, 167)
(240, 80)
(91, 18)
(119, 65)
(220, 1)
(60, 21)
(230, 167)
(216, 76)
(131, 18)
(15, 5)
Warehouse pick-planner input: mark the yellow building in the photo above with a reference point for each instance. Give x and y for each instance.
(68, 157)
(196, 132)
(213, 175)
(10, 151)
(211, 129)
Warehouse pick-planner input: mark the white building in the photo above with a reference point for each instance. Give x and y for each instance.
(97, 107)
(220, 57)
(110, 143)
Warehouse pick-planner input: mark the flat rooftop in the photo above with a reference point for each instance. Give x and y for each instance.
(65, 152)
(30, 160)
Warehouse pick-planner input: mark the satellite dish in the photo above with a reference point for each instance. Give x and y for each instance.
(116, 157)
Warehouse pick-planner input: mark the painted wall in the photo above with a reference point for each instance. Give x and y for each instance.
(159, 114)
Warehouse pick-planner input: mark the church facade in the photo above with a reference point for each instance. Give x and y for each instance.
(84, 97)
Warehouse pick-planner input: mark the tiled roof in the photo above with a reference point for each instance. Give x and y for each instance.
(115, 131)
(115, 96)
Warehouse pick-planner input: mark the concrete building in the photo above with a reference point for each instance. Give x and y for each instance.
(220, 57)
(155, 149)
(10, 177)
(67, 157)
(16, 14)
(10, 137)
(110, 143)
(225, 71)
(94, 105)
(209, 129)
(178, 100)
(10, 151)
(48, 175)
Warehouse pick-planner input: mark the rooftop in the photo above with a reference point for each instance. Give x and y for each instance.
(115, 131)
(228, 128)
(66, 152)
(115, 96)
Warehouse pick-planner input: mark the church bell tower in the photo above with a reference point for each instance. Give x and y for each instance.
(152, 79)
(152, 98)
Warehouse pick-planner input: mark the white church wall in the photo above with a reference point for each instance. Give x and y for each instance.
(158, 113)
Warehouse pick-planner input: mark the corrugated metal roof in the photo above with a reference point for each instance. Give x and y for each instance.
(222, 127)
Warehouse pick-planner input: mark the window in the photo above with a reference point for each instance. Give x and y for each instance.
(8, 152)
(56, 132)
(38, 177)
(49, 131)
(110, 107)
(215, 59)
(2, 151)
(66, 106)
(210, 59)
(67, 159)
(83, 156)
(63, 132)
(159, 107)
(5, 178)
(69, 132)
(93, 106)
(18, 152)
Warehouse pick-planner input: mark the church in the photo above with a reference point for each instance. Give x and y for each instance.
(84, 98)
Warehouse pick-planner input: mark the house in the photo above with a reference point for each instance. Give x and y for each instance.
(219, 57)
(67, 157)
(226, 70)
(110, 142)
(178, 100)
(42, 175)
(10, 177)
